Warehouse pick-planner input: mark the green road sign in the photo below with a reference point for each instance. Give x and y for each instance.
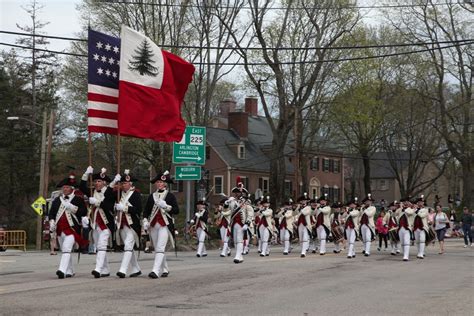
(192, 147)
(188, 173)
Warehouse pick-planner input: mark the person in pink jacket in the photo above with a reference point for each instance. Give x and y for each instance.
(382, 230)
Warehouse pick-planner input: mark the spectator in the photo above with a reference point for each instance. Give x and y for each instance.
(450, 201)
(466, 223)
(440, 226)
(431, 216)
(382, 230)
(452, 217)
(457, 200)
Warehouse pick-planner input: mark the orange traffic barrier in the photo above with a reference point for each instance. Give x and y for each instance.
(13, 239)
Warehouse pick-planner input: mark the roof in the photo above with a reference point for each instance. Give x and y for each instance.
(380, 164)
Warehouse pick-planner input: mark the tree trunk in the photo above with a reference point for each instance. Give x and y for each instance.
(366, 162)
(277, 170)
(468, 183)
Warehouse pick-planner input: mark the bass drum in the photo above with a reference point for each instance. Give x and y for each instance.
(337, 233)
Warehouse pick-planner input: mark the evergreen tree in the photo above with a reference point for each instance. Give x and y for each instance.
(143, 61)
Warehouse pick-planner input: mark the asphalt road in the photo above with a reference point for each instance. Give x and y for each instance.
(276, 285)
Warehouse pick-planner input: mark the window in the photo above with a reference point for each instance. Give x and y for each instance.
(325, 164)
(208, 152)
(241, 151)
(314, 164)
(331, 165)
(178, 186)
(288, 188)
(264, 185)
(218, 184)
(245, 181)
(383, 185)
(337, 166)
(373, 185)
(325, 189)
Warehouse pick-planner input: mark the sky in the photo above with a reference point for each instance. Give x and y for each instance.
(62, 15)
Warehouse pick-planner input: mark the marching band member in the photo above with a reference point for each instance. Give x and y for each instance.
(158, 220)
(257, 218)
(351, 226)
(129, 210)
(250, 219)
(238, 218)
(391, 222)
(405, 226)
(323, 223)
(103, 221)
(200, 220)
(304, 222)
(336, 227)
(66, 214)
(265, 226)
(420, 226)
(286, 226)
(367, 225)
(224, 226)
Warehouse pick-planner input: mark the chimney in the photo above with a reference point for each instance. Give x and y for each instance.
(227, 105)
(239, 122)
(251, 105)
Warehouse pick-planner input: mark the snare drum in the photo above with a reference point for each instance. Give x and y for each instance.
(393, 234)
(337, 233)
(430, 235)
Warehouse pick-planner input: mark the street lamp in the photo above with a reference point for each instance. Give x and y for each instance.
(45, 154)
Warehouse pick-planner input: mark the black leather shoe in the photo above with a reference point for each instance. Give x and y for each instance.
(60, 274)
(262, 255)
(152, 275)
(121, 275)
(134, 275)
(303, 256)
(69, 275)
(238, 261)
(366, 254)
(198, 255)
(164, 274)
(96, 274)
(223, 256)
(204, 255)
(105, 275)
(285, 253)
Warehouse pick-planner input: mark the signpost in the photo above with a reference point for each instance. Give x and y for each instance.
(192, 147)
(191, 150)
(188, 173)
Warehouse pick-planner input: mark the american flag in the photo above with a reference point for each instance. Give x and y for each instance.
(103, 82)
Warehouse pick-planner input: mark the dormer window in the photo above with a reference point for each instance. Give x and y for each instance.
(241, 151)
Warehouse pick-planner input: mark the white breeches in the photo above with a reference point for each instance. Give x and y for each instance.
(159, 237)
(285, 238)
(351, 237)
(420, 238)
(129, 258)
(404, 235)
(225, 241)
(265, 236)
(304, 238)
(101, 238)
(238, 241)
(321, 231)
(66, 243)
(201, 236)
(366, 237)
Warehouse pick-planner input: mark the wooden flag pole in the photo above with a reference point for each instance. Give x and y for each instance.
(89, 141)
(118, 163)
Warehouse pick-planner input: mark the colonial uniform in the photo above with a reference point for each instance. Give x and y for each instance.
(367, 225)
(286, 226)
(405, 229)
(265, 227)
(391, 221)
(224, 227)
(103, 222)
(420, 228)
(200, 220)
(66, 215)
(129, 211)
(352, 226)
(304, 225)
(239, 220)
(158, 217)
(323, 224)
(336, 228)
(250, 219)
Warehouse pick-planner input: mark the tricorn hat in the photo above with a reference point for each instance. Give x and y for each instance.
(288, 202)
(163, 176)
(126, 177)
(323, 197)
(355, 201)
(101, 176)
(337, 205)
(201, 202)
(71, 181)
(239, 188)
(421, 199)
(266, 199)
(368, 198)
(304, 197)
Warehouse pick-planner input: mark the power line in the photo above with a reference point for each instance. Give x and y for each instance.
(346, 7)
(280, 63)
(268, 48)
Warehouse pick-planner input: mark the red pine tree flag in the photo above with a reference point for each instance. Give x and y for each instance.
(152, 86)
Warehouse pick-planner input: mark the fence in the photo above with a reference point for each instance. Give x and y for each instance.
(13, 239)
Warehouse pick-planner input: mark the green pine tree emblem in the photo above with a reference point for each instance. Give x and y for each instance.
(142, 62)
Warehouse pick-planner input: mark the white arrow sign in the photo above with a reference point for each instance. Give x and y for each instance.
(187, 175)
(191, 158)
